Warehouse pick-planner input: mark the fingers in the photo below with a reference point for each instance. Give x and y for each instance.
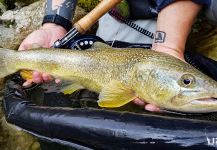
(28, 83)
(46, 77)
(148, 107)
(57, 81)
(152, 108)
(23, 47)
(41, 77)
(38, 78)
(26, 46)
(139, 102)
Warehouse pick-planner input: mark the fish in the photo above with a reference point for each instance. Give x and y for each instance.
(121, 75)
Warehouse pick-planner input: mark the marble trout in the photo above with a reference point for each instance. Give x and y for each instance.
(121, 75)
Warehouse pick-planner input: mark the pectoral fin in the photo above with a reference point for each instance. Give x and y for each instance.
(69, 88)
(115, 95)
(26, 74)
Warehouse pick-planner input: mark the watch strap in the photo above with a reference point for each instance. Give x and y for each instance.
(59, 20)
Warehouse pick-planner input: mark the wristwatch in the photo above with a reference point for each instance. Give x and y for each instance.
(59, 20)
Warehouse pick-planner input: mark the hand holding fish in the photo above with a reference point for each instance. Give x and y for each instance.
(167, 40)
(44, 37)
(121, 76)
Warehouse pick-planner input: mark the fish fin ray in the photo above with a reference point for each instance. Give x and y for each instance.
(68, 87)
(26, 74)
(115, 94)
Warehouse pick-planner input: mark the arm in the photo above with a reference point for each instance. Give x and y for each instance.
(173, 26)
(63, 8)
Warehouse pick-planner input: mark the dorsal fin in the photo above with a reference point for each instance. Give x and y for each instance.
(101, 45)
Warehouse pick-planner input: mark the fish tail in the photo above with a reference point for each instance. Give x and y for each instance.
(6, 66)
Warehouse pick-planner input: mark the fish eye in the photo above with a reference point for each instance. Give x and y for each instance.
(187, 80)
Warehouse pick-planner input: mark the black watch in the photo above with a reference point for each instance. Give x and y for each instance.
(59, 20)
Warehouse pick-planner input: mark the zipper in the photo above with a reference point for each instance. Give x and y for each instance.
(131, 24)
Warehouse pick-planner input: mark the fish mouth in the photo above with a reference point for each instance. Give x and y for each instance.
(210, 100)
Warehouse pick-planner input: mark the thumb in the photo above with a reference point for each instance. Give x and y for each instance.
(34, 46)
(29, 46)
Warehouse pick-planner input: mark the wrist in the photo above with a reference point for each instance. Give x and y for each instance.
(54, 27)
(173, 51)
(58, 20)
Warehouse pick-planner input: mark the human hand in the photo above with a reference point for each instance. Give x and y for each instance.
(43, 37)
(148, 107)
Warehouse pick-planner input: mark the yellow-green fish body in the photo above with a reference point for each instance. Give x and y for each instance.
(121, 75)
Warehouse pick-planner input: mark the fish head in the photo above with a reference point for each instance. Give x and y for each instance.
(175, 86)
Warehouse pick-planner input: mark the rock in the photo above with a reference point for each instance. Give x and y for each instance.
(12, 4)
(19, 23)
(24, 2)
(14, 138)
(2, 8)
(88, 5)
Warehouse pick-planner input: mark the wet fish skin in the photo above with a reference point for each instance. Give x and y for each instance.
(120, 75)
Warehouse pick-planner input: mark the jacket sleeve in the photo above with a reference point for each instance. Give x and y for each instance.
(211, 12)
(163, 3)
